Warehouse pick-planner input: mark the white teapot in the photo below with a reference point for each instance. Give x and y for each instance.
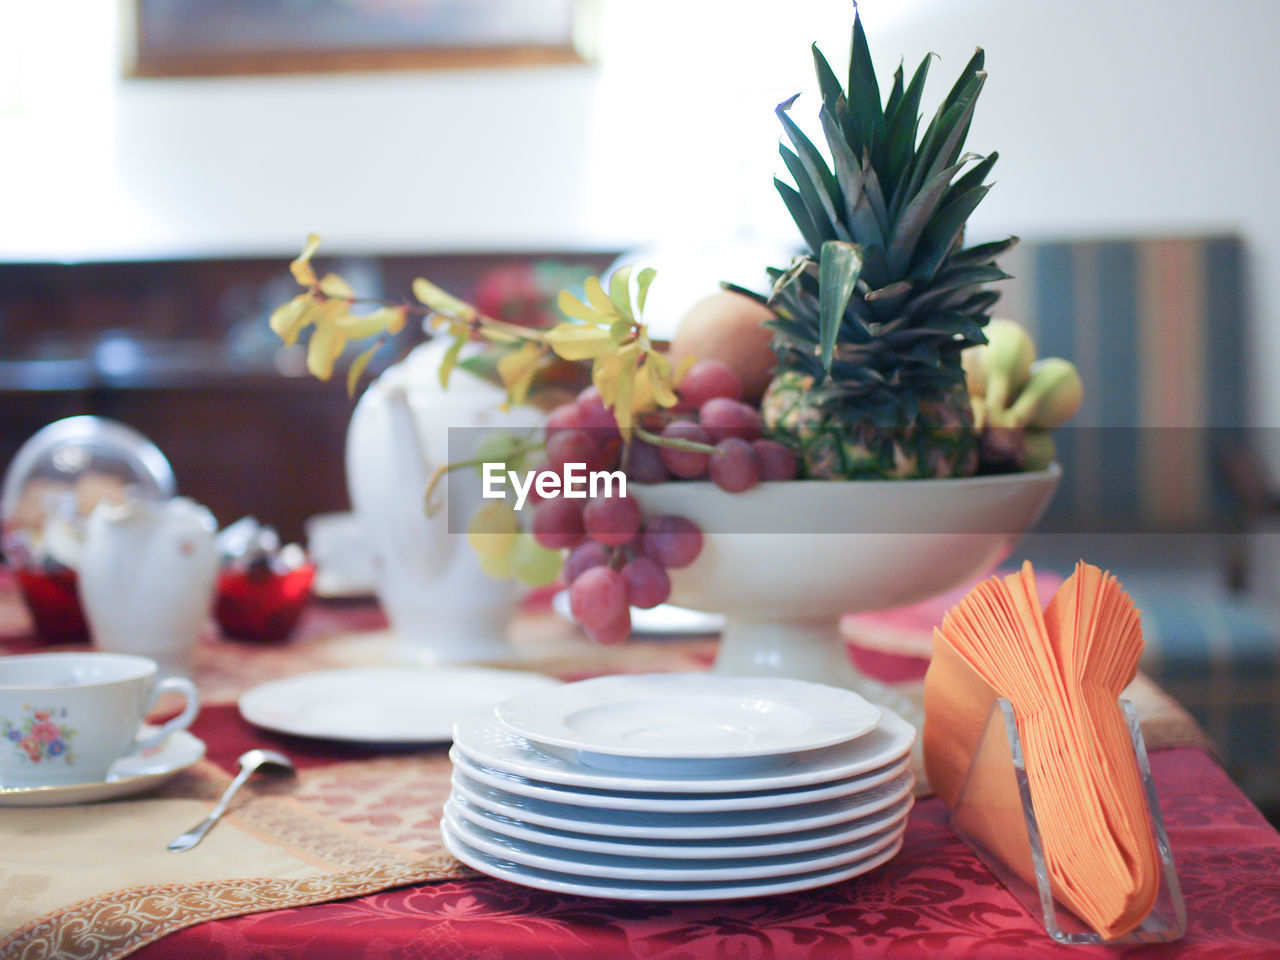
(147, 576)
(441, 606)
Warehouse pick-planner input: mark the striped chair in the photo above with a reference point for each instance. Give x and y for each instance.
(1157, 328)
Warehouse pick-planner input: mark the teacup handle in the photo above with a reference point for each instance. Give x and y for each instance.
(181, 721)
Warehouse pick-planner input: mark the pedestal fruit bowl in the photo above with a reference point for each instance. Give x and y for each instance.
(783, 561)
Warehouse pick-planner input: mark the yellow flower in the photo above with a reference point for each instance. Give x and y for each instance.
(326, 304)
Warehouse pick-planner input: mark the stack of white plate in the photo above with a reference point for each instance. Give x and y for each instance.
(679, 787)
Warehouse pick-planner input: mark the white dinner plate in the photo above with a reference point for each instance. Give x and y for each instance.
(664, 620)
(127, 777)
(656, 891)
(675, 802)
(760, 846)
(646, 869)
(388, 705)
(482, 738)
(684, 826)
(689, 716)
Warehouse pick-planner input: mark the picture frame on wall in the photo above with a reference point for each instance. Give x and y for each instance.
(209, 38)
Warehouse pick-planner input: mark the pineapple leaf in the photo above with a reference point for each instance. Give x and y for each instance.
(945, 324)
(907, 109)
(743, 291)
(974, 177)
(889, 291)
(978, 303)
(866, 114)
(951, 287)
(964, 275)
(828, 83)
(915, 217)
(971, 69)
(942, 231)
(873, 268)
(956, 131)
(902, 125)
(848, 171)
(814, 197)
(791, 329)
(840, 267)
(823, 180)
(895, 95)
(983, 253)
(871, 187)
(886, 301)
(795, 206)
(924, 351)
(945, 136)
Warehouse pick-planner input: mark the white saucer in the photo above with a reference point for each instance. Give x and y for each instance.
(675, 802)
(688, 716)
(559, 882)
(759, 846)
(646, 869)
(684, 826)
(664, 620)
(127, 776)
(483, 739)
(385, 705)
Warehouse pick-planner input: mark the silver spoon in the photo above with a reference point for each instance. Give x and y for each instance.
(250, 763)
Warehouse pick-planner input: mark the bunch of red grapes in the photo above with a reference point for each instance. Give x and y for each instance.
(618, 558)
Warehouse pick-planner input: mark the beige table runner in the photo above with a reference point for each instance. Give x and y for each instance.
(95, 880)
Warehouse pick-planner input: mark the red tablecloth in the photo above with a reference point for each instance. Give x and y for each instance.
(934, 900)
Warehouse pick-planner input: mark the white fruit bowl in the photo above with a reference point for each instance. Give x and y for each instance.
(783, 561)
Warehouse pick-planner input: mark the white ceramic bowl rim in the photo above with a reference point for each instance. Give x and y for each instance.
(125, 668)
(1013, 478)
(991, 504)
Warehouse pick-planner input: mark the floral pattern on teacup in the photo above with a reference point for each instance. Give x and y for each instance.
(40, 735)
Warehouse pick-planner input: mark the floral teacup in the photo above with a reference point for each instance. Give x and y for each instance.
(67, 717)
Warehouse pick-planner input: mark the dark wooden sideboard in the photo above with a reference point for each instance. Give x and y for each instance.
(180, 350)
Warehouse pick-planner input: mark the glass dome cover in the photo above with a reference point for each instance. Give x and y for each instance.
(61, 473)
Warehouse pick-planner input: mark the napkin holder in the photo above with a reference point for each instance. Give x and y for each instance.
(997, 777)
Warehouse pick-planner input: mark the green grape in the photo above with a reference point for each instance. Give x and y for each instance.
(532, 563)
(499, 447)
(499, 568)
(492, 531)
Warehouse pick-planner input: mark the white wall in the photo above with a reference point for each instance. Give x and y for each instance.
(1116, 116)
(1110, 116)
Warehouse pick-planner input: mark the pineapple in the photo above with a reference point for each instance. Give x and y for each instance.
(871, 321)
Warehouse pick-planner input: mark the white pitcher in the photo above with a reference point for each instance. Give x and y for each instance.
(441, 606)
(147, 579)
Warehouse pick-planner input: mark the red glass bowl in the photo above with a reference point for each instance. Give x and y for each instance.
(262, 606)
(55, 607)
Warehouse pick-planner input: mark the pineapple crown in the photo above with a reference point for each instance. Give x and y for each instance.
(880, 307)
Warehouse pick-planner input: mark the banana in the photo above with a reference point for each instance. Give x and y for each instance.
(1040, 449)
(1051, 397)
(979, 407)
(1009, 355)
(974, 361)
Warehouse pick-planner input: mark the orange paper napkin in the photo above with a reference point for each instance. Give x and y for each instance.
(1063, 669)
